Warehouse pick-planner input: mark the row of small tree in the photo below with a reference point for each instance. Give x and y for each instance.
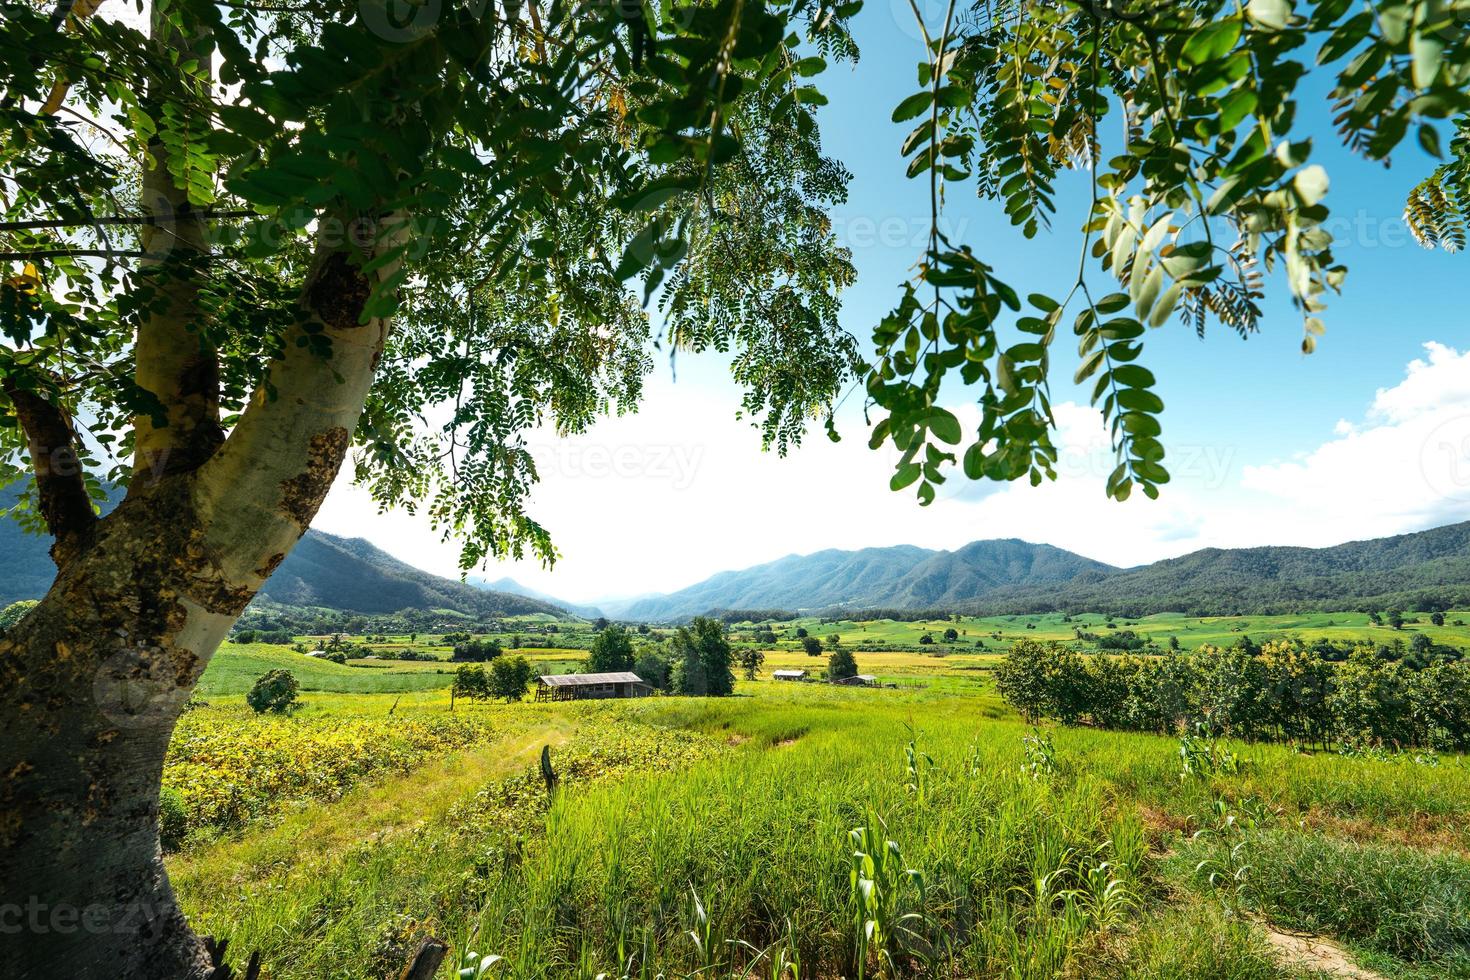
(699, 660)
(1282, 691)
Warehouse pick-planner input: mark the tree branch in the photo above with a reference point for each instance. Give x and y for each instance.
(175, 354)
(123, 219)
(51, 442)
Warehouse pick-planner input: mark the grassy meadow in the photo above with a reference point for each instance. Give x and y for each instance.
(798, 830)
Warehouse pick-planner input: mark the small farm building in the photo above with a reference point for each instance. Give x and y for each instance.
(788, 675)
(577, 687)
(859, 680)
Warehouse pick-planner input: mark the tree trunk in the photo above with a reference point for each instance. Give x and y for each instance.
(92, 681)
(91, 684)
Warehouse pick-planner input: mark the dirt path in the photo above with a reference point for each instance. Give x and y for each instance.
(1316, 953)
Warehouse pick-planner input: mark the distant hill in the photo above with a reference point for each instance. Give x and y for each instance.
(513, 587)
(1379, 573)
(901, 577)
(324, 570)
(1011, 576)
(353, 574)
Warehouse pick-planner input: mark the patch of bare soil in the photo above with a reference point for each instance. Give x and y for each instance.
(1316, 953)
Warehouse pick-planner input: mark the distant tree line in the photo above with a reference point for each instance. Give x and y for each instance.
(1279, 691)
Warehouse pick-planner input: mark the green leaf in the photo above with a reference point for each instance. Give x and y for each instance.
(945, 426)
(913, 106)
(1212, 41)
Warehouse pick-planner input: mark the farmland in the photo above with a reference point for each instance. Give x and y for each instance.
(717, 835)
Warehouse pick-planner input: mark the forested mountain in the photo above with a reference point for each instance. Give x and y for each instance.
(1010, 576)
(1406, 570)
(898, 577)
(351, 573)
(323, 570)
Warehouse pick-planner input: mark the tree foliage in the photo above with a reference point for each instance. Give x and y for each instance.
(612, 650)
(1209, 187)
(274, 692)
(508, 678)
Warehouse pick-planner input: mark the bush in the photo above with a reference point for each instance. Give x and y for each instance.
(173, 819)
(274, 692)
(1280, 691)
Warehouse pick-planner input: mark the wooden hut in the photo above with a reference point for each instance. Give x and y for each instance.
(788, 675)
(859, 680)
(578, 687)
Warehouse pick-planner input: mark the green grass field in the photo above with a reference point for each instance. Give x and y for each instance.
(714, 838)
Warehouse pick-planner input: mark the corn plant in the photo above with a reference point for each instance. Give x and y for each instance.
(1202, 756)
(919, 765)
(1103, 895)
(882, 889)
(476, 967)
(1041, 755)
(1227, 870)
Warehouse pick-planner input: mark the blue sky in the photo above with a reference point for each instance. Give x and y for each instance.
(1268, 446)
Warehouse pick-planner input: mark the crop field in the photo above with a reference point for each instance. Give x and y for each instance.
(799, 830)
(998, 632)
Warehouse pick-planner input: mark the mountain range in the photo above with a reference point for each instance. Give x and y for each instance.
(323, 570)
(1006, 576)
(1013, 577)
(901, 577)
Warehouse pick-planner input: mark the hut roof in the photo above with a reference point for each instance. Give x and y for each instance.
(580, 680)
(788, 673)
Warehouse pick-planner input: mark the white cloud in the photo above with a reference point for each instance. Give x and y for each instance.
(1405, 467)
(661, 499)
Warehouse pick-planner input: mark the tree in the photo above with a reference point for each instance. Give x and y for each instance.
(470, 681)
(653, 669)
(702, 659)
(834, 641)
(599, 624)
(1435, 618)
(344, 219)
(612, 650)
(841, 665)
(751, 661)
(812, 646)
(1395, 619)
(477, 650)
(926, 639)
(509, 677)
(951, 635)
(274, 692)
(358, 228)
(801, 633)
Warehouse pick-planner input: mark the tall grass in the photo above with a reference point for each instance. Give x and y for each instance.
(820, 832)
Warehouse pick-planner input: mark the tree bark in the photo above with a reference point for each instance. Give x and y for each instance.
(93, 680)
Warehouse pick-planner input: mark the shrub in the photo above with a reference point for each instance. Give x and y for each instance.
(173, 819)
(274, 692)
